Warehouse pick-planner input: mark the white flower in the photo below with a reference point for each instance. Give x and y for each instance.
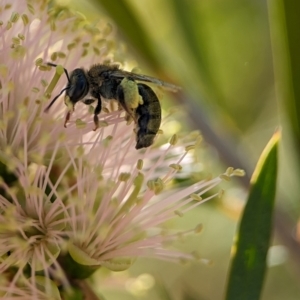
(31, 36)
(71, 199)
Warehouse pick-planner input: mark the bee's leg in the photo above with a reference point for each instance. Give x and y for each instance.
(71, 106)
(97, 112)
(68, 115)
(121, 97)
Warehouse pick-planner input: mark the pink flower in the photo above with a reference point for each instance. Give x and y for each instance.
(71, 199)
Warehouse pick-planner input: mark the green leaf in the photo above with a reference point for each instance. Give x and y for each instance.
(285, 24)
(252, 242)
(77, 264)
(81, 256)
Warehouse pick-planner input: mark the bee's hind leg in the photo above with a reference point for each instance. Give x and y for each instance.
(127, 96)
(71, 106)
(97, 112)
(68, 116)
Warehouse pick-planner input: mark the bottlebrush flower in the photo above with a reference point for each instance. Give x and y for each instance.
(71, 199)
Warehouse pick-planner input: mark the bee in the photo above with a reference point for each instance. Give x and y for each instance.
(108, 81)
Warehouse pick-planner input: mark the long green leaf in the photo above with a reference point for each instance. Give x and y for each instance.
(285, 24)
(249, 262)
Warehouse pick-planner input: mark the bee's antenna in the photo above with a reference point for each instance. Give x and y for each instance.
(54, 65)
(54, 99)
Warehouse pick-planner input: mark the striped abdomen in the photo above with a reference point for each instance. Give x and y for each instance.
(148, 117)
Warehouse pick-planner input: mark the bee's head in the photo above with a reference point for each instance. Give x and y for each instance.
(76, 89)
(78, 86)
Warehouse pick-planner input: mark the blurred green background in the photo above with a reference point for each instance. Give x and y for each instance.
(237, 63)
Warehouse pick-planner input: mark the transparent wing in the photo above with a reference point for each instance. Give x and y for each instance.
(145, 78)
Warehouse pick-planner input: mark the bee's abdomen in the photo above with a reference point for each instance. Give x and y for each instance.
(148, 117)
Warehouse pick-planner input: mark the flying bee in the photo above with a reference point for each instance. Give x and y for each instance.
(108, 81)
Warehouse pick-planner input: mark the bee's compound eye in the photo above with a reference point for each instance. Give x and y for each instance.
(78, 86)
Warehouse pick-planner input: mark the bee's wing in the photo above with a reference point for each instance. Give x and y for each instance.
(145, 78)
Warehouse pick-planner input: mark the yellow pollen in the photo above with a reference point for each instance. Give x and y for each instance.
(229, 171)
(139, 165)
(91, 109)
(198, 228)
(151, 184)
(84, 53)
(174, 140)
(14, 17)
(44, 82)
(189, 147)
(39, 62)
(53, 56)
(221, 193)
(158, 186)
(107, 140)
(71, 46)
(80, 124)
(30, 8)
(61, 54)
(176, 167)
(196, 197)
(18, 52)
(239, 172)
(178, 213)
(103, 124)
(21, 36)
(16, 40)
(124, 176)
(225, 177)
(96, 51)
(25, 19)
(9, 25)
